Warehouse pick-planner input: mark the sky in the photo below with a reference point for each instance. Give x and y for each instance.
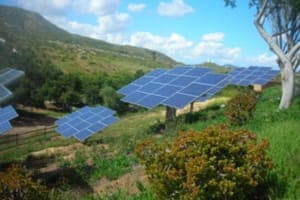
(189, 31)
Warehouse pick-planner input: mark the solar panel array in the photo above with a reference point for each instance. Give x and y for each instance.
(6, 114)
(85, 122)
(7, 76)
(180, 86)
(174, 88)
(252, 75)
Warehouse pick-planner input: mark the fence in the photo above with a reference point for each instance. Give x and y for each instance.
(9, 141)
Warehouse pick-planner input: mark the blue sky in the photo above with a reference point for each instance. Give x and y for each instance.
(190, 31)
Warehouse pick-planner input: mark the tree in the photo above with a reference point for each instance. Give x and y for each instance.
(278, 23)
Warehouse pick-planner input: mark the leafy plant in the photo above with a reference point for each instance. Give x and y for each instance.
(216, 163)
(240, 108)
(17, 183)
(112, 167)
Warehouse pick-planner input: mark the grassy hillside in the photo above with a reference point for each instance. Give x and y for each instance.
(114, 147)
(23, 31)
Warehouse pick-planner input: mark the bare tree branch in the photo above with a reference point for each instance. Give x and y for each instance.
(259, 25)
(293, 51)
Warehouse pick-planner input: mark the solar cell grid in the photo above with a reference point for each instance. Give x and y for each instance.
(4, 93)
(167, 90)
(134, 97)
(128, 89)
(143, 80)
(156, 72)
(150, 87)
(85, 122)
(198, 72)
(180, 70)
(151, 101)
(195, 89)
(183, 81)
(165, 78)
(211, 79)
(179, 100)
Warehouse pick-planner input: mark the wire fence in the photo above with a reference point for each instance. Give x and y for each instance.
(10, 141)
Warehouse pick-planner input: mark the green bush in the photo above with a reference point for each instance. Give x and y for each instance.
(240, 108)
(216, 163)
(17, 183)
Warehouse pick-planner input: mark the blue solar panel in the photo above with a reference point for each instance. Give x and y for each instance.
(4, 127)
(180, 70)
(195, 89)
(8, 113)
(134, 97)
(110, 120)
(179, 100)
(167, 91)
(4, 93)
(83, 134)
(198, 72)
(163, 86)
(165, 78)
(211, 79)
(183, 81)
(85, 122)
(10, 75)
(156, 72)
(151, 101)
(150, 87)
(261, 81)
(143, 80)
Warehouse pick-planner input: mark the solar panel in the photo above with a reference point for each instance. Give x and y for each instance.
(195, 89)
(151, 101)
(9, 75)
(134, 97)
(165, 78)
(198, 72)
(85, 122)
(156, 72)
(5, 126)
(167, 90)
(181, 85)
(150, 87)
(180, 70)
(183, 81)
(4, 93)
(211, 79)
(179, 100)
(6, 114)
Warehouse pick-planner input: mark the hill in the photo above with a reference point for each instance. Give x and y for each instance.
(24, 32)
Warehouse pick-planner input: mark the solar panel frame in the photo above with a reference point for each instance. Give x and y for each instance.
(4, 93)
(179, 100)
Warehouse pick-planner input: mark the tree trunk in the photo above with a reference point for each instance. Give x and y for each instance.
(288, 85)
(170, 117)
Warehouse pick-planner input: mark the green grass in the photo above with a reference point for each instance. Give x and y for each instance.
(280, 128)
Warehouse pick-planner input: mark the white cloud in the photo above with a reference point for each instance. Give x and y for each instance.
(176, 8)
(211, 47)
(113, 23)
(264, 59)
(136, 7)
(173, 45)
(103, 7)
(213, 37)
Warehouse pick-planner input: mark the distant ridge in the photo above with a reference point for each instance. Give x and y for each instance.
(23, 31)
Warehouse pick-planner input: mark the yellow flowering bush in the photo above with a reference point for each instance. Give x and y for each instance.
(216, 163)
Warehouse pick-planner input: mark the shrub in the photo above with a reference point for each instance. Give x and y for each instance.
(16, 183)
(240, 108)
(216, 163)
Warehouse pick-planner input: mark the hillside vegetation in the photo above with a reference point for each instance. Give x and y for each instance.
(23, 31)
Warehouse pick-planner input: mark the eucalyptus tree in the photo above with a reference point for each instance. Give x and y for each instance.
(278, 23)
